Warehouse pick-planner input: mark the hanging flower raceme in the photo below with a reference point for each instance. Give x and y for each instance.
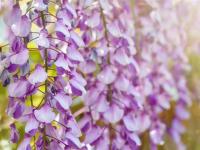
(50, 121)
(93, 74)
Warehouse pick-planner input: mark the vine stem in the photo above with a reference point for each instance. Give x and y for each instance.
(136, 25)
(46, 82)
(57, 140)
(109, 92)
(109, 95)
(105, 31)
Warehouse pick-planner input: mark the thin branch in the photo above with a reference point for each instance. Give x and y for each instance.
(105, 31)
(56, 139)
(80, 111)
(46, 81)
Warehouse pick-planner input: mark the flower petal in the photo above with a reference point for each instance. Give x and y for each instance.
(39, 5)
(77, 39)
(122, 83)
(13, 16)
(88, 67)
(20, 58)
(43, 40)
(64, 100)
(31, 125)
(14, 135)
(122, 58)
(45, 114)
(25, 144)
(106, 5)
(38, 75)
(17, 27)
(93, 21)
(62, 29)
(18, 89)
(135, 138)
(92, 135)
(77, 88)
(107, 75)
(74, 55)
(114, 114)
(131, 123)
(62, 62)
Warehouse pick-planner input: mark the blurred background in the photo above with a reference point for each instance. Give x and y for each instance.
(190, 19)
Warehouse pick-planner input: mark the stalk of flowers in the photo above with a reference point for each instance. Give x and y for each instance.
(50, 123)
(168, 68)
(116, 111)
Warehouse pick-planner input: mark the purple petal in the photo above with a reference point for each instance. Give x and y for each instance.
(122, 58)
(102, 104)
(18, 111)
(71, 9)
(135, 138)
(107, 75)
(156, 137)
(32, 124)
(88, 67)
(62, 14)
(74, 55)
(25, 144)
(15, 109)
(156, 134)
(181, 112)
(93, 21)
(75, 130)
(92, 135)
(114, 114)
(79, 79)
(13, 16)
(122, 84)
(102, 51)
(45, 114)
(77, 88)
(64, 100)
(54, 145)
(131, 123)
(43, 40)
(114, 30)
(17, 45)
(18, 88)
(62, 62)
(22, 27)
(38, 75)
(60, 27)
(14, 135)
(39, 5)
(77, 39)
(72, 139)
(106, 5)
(20, 58)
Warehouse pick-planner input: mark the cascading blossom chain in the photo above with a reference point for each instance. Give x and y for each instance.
(94, 74)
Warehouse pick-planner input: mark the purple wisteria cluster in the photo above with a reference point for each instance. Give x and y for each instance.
(116, 71)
